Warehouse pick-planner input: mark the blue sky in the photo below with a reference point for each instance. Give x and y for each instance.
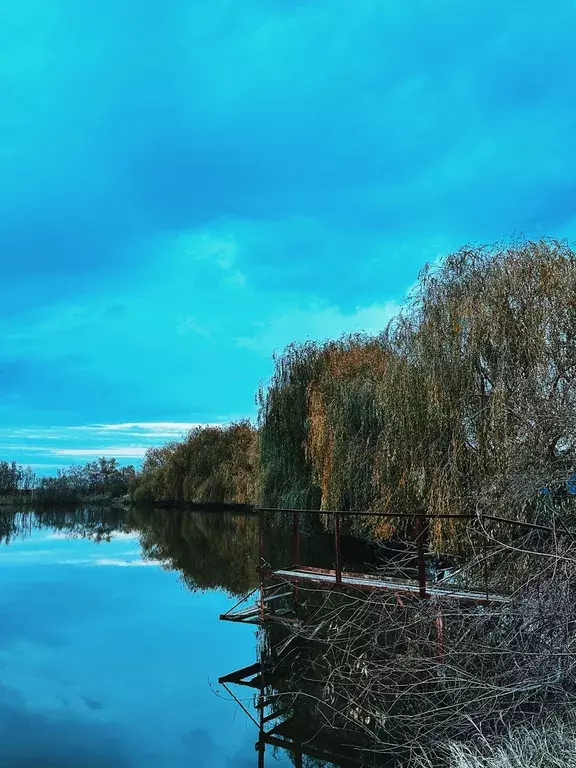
(188, 186)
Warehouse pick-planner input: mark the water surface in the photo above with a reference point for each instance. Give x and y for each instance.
(110, 642)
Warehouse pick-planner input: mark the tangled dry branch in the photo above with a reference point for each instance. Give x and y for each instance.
(416, 676)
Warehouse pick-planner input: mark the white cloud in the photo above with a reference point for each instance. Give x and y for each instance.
(214, 246)
(217, 247)
(318, 322)
(115, 535)
(114, 562)
(54, 447)
(150, 427)
(125, 451)
(142, 428)
(126, 563)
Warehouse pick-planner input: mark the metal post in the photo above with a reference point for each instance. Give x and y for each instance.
(298, 756)
(420, 543)
(261, 747)
(296, 537)
(338, 548)
(295, 550)
(261, 537)
(261, 524)
(261, 743)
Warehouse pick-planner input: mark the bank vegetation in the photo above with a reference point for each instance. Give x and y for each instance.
(100, 481)
(464, 404)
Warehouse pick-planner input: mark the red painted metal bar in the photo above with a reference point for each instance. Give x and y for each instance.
(261, 537)
(338, 548)
(261, 745)
(261, 526)
(420, 544)
(442, 516)
(295, 549)
(296, 537)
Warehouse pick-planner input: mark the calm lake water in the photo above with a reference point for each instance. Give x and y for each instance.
(110, 642)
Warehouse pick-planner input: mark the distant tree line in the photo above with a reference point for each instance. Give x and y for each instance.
(103, 479)
(15, 478)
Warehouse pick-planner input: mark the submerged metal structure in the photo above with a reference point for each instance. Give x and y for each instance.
(276, 583)
(277, 729)
(277, 601)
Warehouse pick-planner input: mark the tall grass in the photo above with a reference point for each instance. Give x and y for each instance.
(552, 745)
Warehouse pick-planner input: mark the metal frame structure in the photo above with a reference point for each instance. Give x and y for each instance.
(277, 584)
(284, 734)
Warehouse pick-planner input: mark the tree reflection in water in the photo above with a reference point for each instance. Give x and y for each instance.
(219, 550)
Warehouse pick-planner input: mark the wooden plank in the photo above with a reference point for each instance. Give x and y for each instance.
(275, 715)
(367, 581)
(240, 674)
(258, 620)
(250, 609)
(278, 596)
(318, 754)
(253, 619)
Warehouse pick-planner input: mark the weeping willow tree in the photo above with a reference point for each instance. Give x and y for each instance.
(490, 423)
(286, 474)
(212, 464)
(465, 403)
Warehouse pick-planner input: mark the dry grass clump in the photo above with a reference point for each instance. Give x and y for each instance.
(412, 676)
(552, 745)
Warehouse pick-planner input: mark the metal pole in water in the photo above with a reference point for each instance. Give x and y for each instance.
(298, 756)
(420, 533)
(295, 549)
(296, 537)
(261, 522)
(338, 548)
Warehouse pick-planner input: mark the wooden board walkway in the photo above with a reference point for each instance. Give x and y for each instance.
(257, 613)
(252, 614)
(365, 581)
